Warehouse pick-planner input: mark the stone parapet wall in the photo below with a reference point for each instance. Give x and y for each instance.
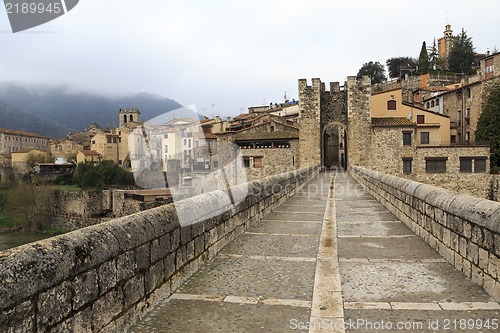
(464, 229)
(102, 278)
(495, 187)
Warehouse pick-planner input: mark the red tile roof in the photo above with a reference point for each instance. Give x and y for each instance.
(90, 153)
(392, 122)
(21, 133)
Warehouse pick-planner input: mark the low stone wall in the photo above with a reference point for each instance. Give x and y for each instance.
(464, 229)
(103, 277)
(79, 203)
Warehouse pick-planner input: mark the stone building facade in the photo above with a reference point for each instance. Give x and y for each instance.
(269, 148)
(464, 106)
(13, 141)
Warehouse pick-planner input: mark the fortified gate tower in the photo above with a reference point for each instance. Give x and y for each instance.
(335, 126)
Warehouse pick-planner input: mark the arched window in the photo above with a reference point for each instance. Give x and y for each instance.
(427, 105)
(391, 104)
(432, 104)
(124, 118)
(131, 118)
(437, 102)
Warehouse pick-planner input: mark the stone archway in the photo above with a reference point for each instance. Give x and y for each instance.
(334, 145)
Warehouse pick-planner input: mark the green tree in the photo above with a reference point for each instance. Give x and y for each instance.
(106, 173)
(373, 69)
(487, 126)
(434, 61)
(423, 60)
(462, 55)
(80, 171)
(399, 66)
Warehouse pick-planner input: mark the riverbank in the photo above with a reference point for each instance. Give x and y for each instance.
(13, 239)
(13, 224)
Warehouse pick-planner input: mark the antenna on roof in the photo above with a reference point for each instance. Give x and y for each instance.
(446, 11)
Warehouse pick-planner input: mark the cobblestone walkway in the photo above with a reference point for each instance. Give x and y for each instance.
(322, 262)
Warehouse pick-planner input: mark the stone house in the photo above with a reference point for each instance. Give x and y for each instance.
(432, 128)
(490, 66)
(25, 160)
(89, 156)
(64, 148)
(269, 147)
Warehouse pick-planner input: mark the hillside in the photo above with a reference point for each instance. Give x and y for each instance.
(56, 111)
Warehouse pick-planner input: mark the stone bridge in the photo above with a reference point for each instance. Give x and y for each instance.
(304, 251)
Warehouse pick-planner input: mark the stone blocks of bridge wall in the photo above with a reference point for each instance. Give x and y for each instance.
(464, 229)
(103, 277)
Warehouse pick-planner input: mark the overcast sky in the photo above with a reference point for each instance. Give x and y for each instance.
(230, 54)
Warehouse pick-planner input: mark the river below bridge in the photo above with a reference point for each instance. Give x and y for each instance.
(12, 239)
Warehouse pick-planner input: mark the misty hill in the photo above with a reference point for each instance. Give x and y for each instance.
(56, 111)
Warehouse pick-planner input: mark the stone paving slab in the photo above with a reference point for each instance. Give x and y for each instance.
(421, 321)
(360, 210)
(385, 248)
(263, 278)
(304, 208)
(372, 229)
(273, 245)
(304, 201)
(179, 316)
(349, 205)
(312, 198)
(407, 282)
(296, 217)
(275, 227)
(355, 216)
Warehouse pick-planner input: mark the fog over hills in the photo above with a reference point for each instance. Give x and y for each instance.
(54, 111)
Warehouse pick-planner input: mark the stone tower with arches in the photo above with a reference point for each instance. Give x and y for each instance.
(335, 126)
(128, 117)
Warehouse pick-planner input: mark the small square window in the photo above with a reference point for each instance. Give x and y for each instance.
(479, 165)
(420, 119)
(257, 162)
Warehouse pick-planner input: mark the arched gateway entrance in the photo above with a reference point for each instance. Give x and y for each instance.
(334, 145)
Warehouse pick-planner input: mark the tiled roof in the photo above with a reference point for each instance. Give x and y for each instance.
(90, 153)
(267, 135)
(392, 122)
(21, 133)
